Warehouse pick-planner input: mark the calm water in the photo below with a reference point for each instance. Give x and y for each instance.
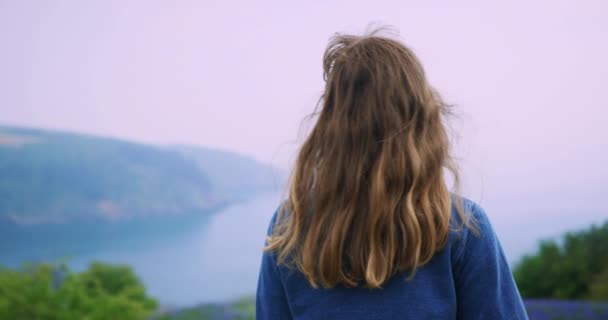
(211, 260)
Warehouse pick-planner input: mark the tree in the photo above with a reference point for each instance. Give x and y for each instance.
(574, 268)
(50, 292)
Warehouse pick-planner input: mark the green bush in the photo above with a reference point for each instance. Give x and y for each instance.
(46, 291)
(576, 267)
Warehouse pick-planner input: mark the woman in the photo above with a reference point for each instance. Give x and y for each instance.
(370, 230)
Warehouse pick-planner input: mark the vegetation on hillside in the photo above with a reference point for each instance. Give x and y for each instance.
(232, 173)
(48, 176)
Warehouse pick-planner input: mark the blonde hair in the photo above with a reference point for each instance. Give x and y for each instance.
(367, 197)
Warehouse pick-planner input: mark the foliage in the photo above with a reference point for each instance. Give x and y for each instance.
(243, 309)
(574, 268)
(49, 176)
(48, 292)
(246, 306)
(599, 287)
(58, 177)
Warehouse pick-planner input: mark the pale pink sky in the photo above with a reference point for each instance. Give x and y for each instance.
(528, 77)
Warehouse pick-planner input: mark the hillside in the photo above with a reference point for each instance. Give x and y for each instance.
(232, 174)
(50, 177)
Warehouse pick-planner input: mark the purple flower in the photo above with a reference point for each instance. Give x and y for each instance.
(545, 309)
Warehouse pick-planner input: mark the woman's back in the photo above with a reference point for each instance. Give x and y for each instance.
(370, 229)
(468, 279)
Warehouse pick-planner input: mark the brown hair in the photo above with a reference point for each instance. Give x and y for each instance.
(367, 196)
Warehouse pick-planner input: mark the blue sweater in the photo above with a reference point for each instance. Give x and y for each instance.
(468, 279)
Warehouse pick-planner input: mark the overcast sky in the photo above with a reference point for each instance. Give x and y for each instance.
(528, 78)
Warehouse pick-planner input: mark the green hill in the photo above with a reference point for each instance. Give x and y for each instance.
(50, 176)
(226, 171)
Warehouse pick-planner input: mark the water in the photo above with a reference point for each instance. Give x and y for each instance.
(213, 260)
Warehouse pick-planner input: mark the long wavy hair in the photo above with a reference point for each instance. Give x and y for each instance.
(367, 197)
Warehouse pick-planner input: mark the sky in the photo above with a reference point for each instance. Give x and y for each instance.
(527, 78)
